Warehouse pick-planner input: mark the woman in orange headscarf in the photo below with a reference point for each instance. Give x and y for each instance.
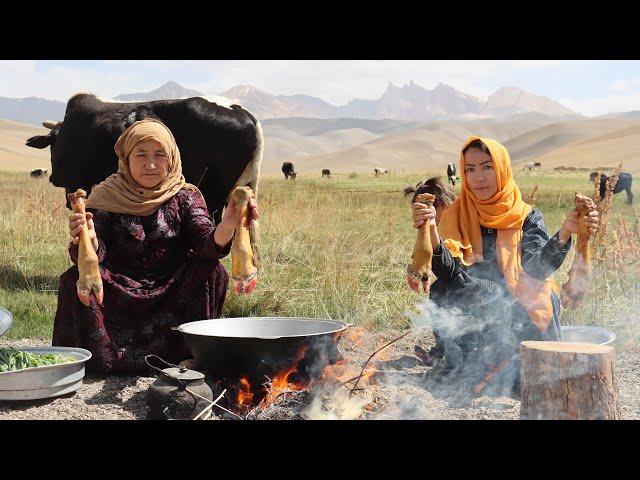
(493, 261)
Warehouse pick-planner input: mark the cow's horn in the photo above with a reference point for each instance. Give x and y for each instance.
(50, 124)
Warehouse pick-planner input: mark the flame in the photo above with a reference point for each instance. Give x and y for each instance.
(348, 374)
(355, 335)
(280, 381)
(245, 396)
(340, 372)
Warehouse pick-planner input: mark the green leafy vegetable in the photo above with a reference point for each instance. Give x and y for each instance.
(12, 359)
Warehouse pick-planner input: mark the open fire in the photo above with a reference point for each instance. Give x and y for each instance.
(287, 380)
(257, 394)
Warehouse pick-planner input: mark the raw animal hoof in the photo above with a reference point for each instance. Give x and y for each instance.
(84, 296)
(414, 283)
(245, 286)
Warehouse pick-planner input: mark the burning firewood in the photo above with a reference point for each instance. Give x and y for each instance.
(419, 272)
(89, 280)
(580, 274)
(244, 253)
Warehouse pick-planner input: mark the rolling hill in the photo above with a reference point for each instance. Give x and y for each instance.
(14, 154)
(358, 145)
(604, 150)
(430, 145)
(538, 143)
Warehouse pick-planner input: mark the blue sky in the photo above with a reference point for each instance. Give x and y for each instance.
(588, 87)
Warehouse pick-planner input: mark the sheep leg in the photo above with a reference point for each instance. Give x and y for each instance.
(243, 259)
(89, 280)
(580, 274)
(419, 273)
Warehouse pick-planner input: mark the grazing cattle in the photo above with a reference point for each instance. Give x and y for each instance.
(39, 172)
(624, 183)
(381, 171)
(287, 169)
(220, 144)
(531, 165)
(451, 174)
(326, 173)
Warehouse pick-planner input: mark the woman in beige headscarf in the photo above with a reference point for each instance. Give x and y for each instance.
(159, 255)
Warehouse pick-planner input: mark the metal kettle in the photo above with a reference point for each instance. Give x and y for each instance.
(177, 394)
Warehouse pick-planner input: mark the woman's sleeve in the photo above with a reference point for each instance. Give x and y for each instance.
(199, 228)
(102, 226)
(443, 265)
(541, 255)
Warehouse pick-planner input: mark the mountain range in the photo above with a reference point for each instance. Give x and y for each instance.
(170, 89)
(410, 102)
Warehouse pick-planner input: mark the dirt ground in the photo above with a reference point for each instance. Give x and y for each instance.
(403, 391)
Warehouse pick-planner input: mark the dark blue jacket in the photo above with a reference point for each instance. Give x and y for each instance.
(480, 289)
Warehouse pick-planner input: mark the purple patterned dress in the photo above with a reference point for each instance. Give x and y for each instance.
(158, 271)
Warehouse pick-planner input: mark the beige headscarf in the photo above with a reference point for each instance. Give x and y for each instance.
(120, 193)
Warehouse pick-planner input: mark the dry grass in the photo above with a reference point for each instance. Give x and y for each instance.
(330, 248)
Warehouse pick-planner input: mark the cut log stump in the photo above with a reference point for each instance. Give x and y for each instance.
(568, 381)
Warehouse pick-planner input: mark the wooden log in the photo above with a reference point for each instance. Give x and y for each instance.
(568, 381)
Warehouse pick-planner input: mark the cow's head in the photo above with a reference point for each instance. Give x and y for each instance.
(43, 141)
(70, 177)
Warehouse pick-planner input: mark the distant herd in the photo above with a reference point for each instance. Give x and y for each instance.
(624, 179)
(289, 171)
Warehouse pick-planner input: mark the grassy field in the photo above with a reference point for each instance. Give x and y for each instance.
(333, 248)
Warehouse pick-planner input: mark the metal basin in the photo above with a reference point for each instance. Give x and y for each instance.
(232, 347)
(585, 334)
(48, 381)
(6, 319)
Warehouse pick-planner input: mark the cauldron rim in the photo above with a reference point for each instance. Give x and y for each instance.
(338, 327)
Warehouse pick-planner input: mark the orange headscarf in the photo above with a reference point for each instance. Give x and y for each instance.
(505, 211)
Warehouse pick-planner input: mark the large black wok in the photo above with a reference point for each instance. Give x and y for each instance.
(232, 347)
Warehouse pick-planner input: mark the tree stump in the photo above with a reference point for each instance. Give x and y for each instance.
(568, 381)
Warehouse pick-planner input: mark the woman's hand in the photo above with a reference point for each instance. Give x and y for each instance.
(224, 231)
(232, 213)
(422, 213)
(76, 221)
(570, 225)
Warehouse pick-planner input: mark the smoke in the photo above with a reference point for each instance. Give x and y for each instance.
(335, 404)
(468, 344)
(406, 389)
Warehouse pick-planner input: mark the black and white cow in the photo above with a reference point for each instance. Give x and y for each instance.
(39, 172)
(624, 183)
(451, 174)
(220, 144)
(288, 170)
(326, 173)
(381, 171)
(532, 166)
